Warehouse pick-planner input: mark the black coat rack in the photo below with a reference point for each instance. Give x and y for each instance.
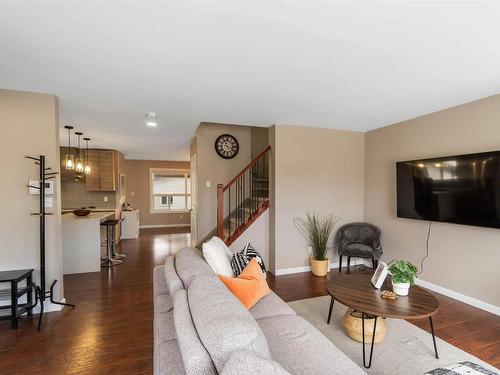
(41, 294)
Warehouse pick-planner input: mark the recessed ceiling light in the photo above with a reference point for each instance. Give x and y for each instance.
(150, 117)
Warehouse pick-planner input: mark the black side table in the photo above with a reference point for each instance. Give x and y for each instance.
(16, 291)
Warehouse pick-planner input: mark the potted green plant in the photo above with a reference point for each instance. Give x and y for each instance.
(402, 276)
(317, 229)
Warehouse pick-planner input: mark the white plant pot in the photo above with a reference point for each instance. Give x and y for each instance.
(401, 289)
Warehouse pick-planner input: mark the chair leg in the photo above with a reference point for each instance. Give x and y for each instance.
(348, 264)
(340, 263)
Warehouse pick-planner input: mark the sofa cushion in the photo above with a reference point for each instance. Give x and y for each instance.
(190, 263)
(270, 306)
(159, 284)
(163, 303)
(168, 359)
(196, 359)
(218, 256)
(250, 286)
(248, 363)
(301, 349)
(173, 281)
(223, 324)
(164, 327)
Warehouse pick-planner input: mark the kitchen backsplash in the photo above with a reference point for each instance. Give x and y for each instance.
(74, 196)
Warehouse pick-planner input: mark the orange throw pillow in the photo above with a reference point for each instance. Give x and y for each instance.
(250, 286)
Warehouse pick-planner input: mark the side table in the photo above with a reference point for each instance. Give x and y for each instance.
(16, 291)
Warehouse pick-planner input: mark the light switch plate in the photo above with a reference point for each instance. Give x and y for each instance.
(48, 202)
(209, 184)
(105, 198)
(49, 187)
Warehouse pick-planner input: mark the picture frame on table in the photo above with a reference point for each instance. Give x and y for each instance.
(379, 275)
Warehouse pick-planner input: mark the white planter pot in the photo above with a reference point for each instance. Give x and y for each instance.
(401, 289)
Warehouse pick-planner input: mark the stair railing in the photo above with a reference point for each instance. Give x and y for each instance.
(244, 198)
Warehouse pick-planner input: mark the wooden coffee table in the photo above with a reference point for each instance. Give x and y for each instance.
(356, 291)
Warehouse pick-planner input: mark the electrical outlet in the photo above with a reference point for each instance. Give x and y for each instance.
(132, 194)
(209, 184)
(48, 202)
(310, 250)
(105, 198)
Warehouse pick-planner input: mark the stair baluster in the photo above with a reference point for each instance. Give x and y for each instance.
(249, 200)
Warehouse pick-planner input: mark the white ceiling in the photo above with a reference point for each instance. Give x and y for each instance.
(345, 65)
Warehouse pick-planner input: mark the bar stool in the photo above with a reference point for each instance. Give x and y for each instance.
(116, 254)
(111, 259)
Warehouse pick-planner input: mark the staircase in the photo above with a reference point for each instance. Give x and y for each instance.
(243, 199)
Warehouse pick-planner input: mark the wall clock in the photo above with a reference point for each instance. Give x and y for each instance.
(227, 146)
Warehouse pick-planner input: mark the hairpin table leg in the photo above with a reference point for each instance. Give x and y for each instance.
(373, 340)
(433, 337)
(330, 311)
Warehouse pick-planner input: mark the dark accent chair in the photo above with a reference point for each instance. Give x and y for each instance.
(359, 240)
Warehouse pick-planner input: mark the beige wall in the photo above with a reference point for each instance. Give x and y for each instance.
(138, 191)
(259, 139)
(314, 169)
(29, 125)
(258, 235)
(464, 259)
(211, 167)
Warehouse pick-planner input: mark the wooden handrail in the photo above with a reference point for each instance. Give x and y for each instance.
(257, 210)
(255, 160)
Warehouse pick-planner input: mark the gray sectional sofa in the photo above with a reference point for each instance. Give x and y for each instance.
(201, 328)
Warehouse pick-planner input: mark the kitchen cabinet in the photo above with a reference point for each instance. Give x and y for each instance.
(130, 224)
(92, 179)
(102, 175)
(82, 237)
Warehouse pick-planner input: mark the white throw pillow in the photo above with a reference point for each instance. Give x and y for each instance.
(218, 256)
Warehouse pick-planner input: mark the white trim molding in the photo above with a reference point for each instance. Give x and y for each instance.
(164, 226)
(49, 307)
(459, 296)
(333, 266)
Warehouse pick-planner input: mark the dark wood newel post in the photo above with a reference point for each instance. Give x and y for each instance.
(220, 211)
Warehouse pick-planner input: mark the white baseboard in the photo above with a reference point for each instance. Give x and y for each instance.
(48, 307)
(164, 226)
(288, 271)
(459, 297)
(333, 265)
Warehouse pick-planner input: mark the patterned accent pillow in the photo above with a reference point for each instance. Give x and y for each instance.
(462, 368)
(242, 258)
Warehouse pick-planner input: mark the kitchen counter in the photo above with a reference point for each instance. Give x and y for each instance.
(94, 215)
(82, 238)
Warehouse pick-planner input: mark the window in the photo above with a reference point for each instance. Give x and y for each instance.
(170, 190)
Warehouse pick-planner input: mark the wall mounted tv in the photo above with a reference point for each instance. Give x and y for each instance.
(461, 189)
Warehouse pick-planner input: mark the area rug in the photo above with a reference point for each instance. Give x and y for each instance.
(406, 349)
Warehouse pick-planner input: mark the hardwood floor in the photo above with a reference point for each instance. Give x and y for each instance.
(471, 329)
(111, 331)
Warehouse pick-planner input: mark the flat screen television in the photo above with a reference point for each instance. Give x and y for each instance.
(461, 189)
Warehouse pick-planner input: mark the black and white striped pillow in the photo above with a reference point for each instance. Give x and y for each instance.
(242, 258)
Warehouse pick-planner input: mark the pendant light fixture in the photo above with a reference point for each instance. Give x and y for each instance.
(78, 159)
(87, 168)
(69, 160)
